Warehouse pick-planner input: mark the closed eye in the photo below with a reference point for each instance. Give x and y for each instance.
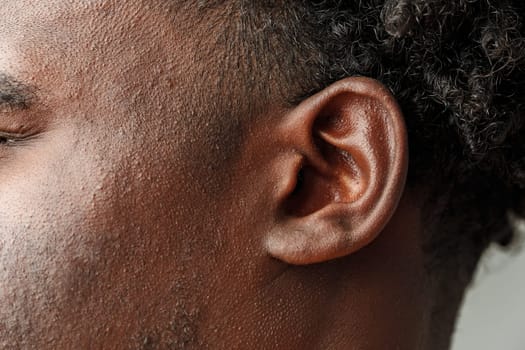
(4, 140)
(8, 140)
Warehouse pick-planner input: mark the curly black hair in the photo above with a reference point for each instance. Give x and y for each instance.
(457, 69)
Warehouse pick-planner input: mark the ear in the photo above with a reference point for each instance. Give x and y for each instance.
(343, 173)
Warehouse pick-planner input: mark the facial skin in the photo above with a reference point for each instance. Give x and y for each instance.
(124, 223)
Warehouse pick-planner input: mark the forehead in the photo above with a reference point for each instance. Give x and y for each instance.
(90, 33)
(105, 49)
(62, 22)
(87, 13)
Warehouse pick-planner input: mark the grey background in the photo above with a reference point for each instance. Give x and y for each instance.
(493, 315)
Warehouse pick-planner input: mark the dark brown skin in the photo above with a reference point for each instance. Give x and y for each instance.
(118, 230)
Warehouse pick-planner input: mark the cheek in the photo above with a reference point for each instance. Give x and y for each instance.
(53, 238)
(93, 232)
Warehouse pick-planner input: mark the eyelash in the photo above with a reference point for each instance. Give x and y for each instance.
(7, 140)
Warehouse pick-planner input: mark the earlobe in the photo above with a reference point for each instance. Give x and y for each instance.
(352, 142)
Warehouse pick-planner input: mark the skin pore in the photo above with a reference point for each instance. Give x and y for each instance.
(135, 212)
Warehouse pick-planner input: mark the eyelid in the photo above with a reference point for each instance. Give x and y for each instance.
(14, 137)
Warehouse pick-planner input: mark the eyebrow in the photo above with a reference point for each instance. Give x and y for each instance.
(15, 95)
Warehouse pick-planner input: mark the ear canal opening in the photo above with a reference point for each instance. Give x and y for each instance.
(299, 183)
(315, 190)
(311, 193)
